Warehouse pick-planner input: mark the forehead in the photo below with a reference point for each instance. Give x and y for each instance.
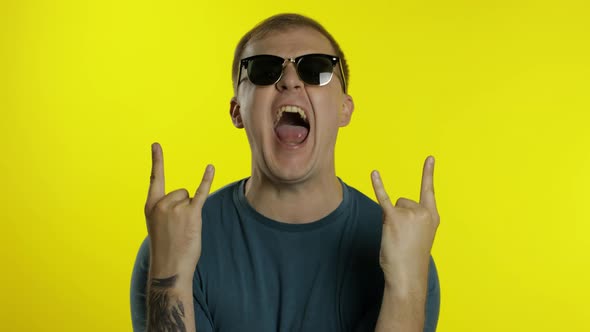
(290, 43)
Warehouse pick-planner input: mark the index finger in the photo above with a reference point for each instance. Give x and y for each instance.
(380, 193)
(156, 190)
(427, 189)
(203, 190)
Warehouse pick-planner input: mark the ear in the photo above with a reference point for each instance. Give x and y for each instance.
(234, 112)
(346, 110)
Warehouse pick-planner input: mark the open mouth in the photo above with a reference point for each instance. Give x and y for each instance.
(291, 125)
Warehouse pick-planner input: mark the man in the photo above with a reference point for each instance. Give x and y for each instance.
(292, 247)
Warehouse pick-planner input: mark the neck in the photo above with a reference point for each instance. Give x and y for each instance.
(297, 203)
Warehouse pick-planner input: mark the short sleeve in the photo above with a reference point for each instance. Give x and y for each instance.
(432, 299)
(431, 311)
(203, 319)
(139, 287)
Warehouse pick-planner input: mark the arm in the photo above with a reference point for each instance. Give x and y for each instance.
(408, 233)
(170, 304)
(166, 301)
(174, 228)
(139, 294)
(402, 310)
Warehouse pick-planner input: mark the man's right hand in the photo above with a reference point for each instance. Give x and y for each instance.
(174, 222)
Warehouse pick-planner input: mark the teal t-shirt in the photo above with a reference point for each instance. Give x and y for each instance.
(258, 274)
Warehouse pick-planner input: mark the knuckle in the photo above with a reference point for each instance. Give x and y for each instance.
(431, 217)
(401, 201)
(403, 213)
(199, 192)
(178, 209)
(146, 209)
(436, 219)
(423, 214)
(159, 208)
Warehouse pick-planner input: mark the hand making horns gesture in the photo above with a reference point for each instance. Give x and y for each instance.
(174, 222)
(409, 228)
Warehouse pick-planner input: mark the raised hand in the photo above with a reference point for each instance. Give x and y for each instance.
(174, 222)
(409, 228)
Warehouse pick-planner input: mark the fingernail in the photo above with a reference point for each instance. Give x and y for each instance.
(375, 174)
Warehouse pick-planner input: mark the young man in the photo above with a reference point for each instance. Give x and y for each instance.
(292, 247)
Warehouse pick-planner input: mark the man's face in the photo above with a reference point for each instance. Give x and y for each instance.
(291, 126)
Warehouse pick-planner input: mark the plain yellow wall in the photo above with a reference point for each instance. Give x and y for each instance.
(498, 91)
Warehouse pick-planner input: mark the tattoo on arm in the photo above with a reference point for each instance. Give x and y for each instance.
(165, 311)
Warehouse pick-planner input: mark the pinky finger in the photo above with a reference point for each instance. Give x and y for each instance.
(203, 191)
(380, 192)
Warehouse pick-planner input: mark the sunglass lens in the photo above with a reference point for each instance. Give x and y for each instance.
(265, 70)
(316, 70)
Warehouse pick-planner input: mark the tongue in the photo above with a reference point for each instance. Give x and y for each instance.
(291, 134)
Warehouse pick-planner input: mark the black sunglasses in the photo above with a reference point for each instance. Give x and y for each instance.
(313, 69)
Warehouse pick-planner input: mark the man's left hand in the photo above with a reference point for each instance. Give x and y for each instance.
(409, 228)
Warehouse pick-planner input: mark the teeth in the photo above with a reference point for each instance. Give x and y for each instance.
(291, 109)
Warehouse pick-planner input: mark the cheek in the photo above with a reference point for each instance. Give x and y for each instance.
(326, 107)
(255, 109)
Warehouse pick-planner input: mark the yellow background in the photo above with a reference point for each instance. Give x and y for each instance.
(498, 91)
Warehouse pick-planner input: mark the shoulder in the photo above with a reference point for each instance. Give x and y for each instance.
(138, 289)
(143, 255)
(362, 198)
(367, 219)
(365, 207)
(433, 298)
(223, 193)
(221, 214)
(220, 200)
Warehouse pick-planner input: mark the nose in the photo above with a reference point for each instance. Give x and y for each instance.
(290, 79)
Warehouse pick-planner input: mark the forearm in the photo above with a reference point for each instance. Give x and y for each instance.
(402, 310)
(170, 305)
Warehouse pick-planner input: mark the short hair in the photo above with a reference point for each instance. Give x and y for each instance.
(284, 22)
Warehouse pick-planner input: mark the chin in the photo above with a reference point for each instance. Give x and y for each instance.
(292, 172)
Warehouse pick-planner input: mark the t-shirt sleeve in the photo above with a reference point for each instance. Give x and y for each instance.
(139, 291)
(432, 299)
(139, 288)
(431, 311)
